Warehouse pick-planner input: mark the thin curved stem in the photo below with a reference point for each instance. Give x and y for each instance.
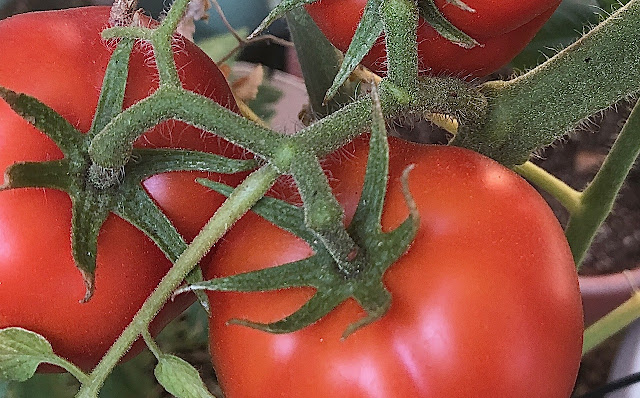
(600, 195)
(240, 201)
(567, 196)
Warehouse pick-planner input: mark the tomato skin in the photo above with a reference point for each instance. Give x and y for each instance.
(485, 302)
(503, 29)
(60, 58)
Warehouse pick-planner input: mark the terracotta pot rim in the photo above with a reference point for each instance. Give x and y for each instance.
(603, 293)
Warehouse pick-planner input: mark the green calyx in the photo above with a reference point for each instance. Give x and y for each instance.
(378, 250)
(96, 192)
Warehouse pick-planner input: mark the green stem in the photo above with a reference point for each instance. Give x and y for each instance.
(324, 215)
(567, 196)
(111, 148)
(400, 18)
(240, 201)
(162, 42)
(151, 343)
(611, 323)
(174, 16)
(337, 129)
(163, 54)
(127, 32)
(71, 368)
(538, 107)
(599, 197)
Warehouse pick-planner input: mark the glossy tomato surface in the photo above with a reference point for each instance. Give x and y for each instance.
(60, 58)
(485, 302)
(503, 29)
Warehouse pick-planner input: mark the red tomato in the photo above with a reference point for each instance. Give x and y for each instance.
(503, 29)
(485, 302)
(60, 58)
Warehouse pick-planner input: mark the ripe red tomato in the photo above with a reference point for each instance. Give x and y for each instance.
(60, 58)
(485, 302)
(502, 28)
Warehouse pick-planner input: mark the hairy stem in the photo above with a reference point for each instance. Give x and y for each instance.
(324, 215)
(400, 19)
(240, 201)
(111, 148)
(538, 107)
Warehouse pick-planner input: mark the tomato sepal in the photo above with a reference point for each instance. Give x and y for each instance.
(278, 11)
(91, 201)
(320, 271)
(45, 119)
(434, 17)
(319, 60)
(369, 29)
(48, 174)
(114, 85)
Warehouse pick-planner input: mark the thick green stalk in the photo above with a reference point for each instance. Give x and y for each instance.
(337, 129)
(538, 107)
(240, 201)
(598, 198)
(400, 19)
(438, 95)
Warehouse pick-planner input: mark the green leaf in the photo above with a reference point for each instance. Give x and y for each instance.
(21, 351)
(282, 8)
(179, 378)
(368, 31)
(430, 12)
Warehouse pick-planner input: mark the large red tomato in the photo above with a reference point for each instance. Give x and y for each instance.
(60, 58)
(503, 29)
(485, 302)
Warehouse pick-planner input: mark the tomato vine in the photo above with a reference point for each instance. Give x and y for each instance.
(506, 120)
